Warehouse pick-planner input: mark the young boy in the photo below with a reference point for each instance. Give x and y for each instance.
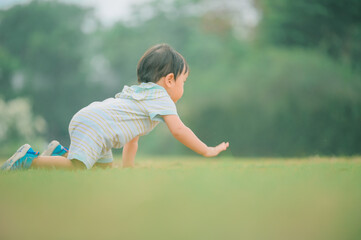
(118, 122)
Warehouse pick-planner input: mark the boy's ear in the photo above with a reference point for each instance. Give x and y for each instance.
(169, 79)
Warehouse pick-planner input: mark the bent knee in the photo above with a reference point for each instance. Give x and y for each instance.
(78, 164)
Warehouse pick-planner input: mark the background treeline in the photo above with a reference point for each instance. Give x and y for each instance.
(288, 86)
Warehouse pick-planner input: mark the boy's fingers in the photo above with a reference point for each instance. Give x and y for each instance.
(225, 145)
(222, 147)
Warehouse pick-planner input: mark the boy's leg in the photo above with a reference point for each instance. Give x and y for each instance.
(21, 159)
(57, 162)
(105, 160)
(25, 157)
(55, 149)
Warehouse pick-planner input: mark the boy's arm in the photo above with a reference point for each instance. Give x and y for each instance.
(129, 152)
(186, 136)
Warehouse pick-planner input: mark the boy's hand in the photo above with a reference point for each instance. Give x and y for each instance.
(186, 136)
(214, 151)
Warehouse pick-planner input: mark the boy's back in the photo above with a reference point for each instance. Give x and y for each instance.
(101, 126)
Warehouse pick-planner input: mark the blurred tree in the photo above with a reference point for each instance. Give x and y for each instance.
(18, 122)
(48, 41)
(286, 103)
(204, 40)
(331, 25)
(8, 67)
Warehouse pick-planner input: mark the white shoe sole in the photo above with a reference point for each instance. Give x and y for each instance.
(50, 149)
(19, 154)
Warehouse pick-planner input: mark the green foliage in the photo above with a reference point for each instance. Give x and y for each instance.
(287, 102)
(47, 40)
(331, 25)
(8, 67)
(18, 123)
(282, 97)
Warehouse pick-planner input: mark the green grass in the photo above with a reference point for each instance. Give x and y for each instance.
(187, 198)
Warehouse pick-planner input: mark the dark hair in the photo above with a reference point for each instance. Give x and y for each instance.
(158, 62)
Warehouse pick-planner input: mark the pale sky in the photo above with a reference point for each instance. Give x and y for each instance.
(109, 11)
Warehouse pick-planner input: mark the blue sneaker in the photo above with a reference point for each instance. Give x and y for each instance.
(54, 149)
(22, 159)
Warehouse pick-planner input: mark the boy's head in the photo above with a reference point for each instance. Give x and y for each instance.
(159, 61)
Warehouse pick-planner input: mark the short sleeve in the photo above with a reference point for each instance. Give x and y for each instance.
(159, 107)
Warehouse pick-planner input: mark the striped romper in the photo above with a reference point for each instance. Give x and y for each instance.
(101, 126)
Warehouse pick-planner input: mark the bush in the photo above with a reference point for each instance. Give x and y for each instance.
(285, 103)
(18, 125)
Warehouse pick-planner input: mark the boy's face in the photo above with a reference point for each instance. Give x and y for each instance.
(176, 91)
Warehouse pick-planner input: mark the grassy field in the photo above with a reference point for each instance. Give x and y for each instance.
(187, 198)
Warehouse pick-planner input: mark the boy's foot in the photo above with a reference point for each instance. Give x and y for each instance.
(54, 149)
(22, 159)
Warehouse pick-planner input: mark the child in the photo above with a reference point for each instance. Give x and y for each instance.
(118, 122)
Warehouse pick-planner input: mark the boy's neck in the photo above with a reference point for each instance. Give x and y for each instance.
(161, 82)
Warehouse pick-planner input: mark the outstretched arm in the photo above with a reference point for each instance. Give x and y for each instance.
(129, 152)
(186, 136)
